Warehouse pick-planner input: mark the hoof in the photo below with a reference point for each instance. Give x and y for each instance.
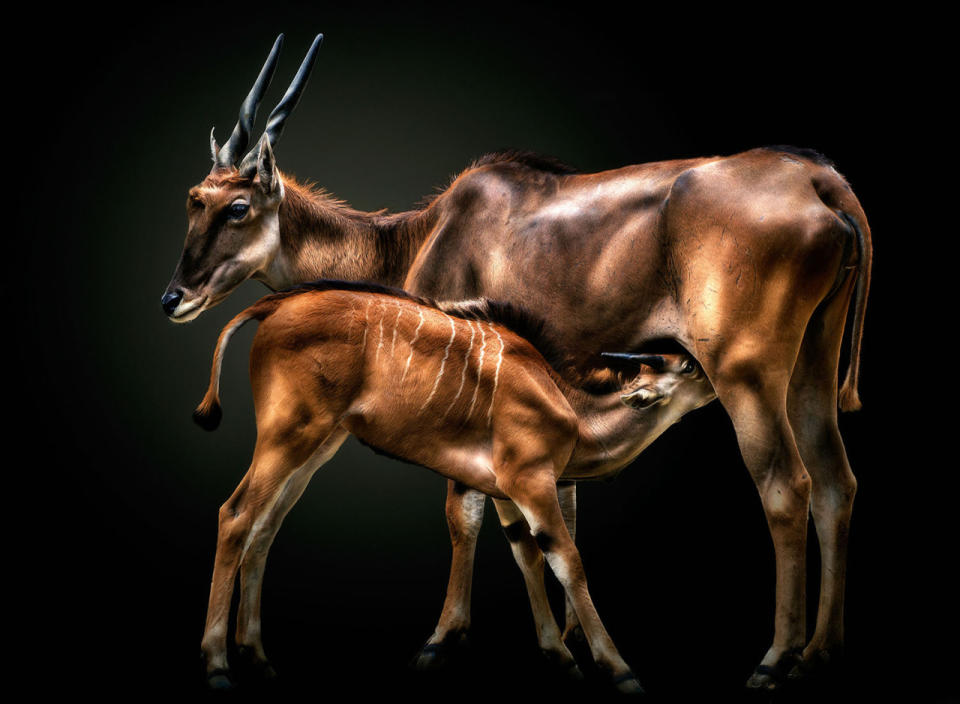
(438, 656)
(820, 667)
(220, 680)
(563, 664)
(254, 669)
(627, 683)
(770, 679)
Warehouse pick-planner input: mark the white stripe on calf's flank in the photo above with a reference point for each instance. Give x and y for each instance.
(496, 375)
(416, 334)
(366, 324)
(380, 341)
(483, 348)
(396, 324)
(443, 362)
(466, 365)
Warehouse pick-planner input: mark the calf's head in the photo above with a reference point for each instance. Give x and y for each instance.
(665, 379)
(233, 222)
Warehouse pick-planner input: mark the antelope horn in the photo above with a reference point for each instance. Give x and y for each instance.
(230, 152)
(655, 361)
(286, 105)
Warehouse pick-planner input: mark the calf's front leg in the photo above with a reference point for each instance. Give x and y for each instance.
(530, 560)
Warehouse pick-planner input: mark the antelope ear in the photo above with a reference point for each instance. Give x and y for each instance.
(644, 397)
(214, 147)
(267, 167)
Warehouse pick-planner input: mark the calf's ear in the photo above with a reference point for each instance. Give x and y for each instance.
(644, 397)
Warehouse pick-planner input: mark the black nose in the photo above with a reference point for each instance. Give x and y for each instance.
(170, 301)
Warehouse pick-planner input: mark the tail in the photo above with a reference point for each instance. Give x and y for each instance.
(209, 413)
(849, 397)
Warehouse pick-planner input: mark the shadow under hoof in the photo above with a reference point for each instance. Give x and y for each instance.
(822, 672)
(628, 684)
(434, 657)
(254, 671)
(220, 681)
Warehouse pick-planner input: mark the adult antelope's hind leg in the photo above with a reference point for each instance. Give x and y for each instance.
(242, 518)
(464, 510)
(535, 493)
(530, 559)
(249, 636)
(812, 406)
(567, 494)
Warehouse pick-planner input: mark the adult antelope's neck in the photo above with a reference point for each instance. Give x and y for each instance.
(322, 237)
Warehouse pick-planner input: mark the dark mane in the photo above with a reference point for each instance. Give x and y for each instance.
(530, 160)
(519, 320)
(516, 319)
(808, 154)
(524, 158)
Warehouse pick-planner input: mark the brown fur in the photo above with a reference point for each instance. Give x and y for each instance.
(748, 261)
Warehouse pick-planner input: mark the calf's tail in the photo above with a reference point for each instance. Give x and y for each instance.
(209, 413)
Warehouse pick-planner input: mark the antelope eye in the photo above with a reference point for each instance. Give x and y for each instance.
(238, 210)
(688, 367)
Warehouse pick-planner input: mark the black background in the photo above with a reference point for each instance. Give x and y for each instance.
(108, 121)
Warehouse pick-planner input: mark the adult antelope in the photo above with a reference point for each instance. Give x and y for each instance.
(451, 387)
(748, 261)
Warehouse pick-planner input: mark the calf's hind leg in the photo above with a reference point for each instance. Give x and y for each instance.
(535, 493)
(244, 518)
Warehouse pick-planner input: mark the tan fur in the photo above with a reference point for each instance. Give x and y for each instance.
(321, 367)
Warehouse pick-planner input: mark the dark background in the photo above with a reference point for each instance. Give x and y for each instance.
(109, 117)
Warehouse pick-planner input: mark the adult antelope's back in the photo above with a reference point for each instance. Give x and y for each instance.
(748, 261)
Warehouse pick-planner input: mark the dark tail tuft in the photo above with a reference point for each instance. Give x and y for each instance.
(208, 415)
(849, 399)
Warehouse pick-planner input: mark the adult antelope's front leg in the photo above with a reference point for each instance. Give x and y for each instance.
(535, 494)
(464, 509)
(530, 559)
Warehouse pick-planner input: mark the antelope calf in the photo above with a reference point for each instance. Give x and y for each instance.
(453, 387)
